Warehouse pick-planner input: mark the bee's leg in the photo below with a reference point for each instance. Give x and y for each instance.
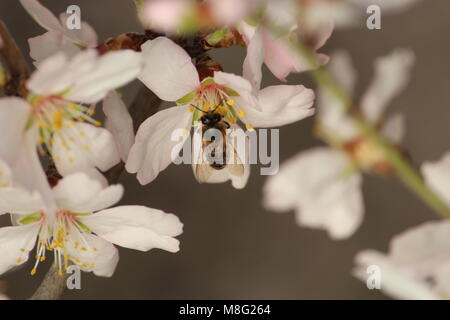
(227, 124)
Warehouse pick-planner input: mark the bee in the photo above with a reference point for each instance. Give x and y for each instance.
(214, 155)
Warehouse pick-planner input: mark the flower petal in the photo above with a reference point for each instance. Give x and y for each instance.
(437, 176)
(14, 113)
(85, 36)
(255, 58)
(46, 45)
(395, 281)
(394, 128)
(392, 74)
(80, 193)
(109, 71)
(15, 245)
(101, 257)
(42, 15)
(136, 227)
(155, 133)
(169, 71)
(314, 183)
(119, 122)
(280, 105)
(83, 146)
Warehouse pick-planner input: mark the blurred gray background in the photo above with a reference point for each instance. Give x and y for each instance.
(231, 247)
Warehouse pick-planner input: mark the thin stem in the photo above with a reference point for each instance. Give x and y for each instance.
(403, 169)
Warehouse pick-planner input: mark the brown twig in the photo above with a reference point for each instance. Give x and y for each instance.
(13, 60)
(52, 287)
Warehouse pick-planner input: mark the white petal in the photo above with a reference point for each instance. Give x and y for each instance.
(136, 227)
(333, 120)
(316, 184)
(102, 260)
(80, 193)
(395, 281)
(437, 176)
(28, 172)
(392, 74)
(155, 133)
(20, 201)
(46, 45)
(254, 60)
(12, 240)
(14, 113)
(280, 105)
(394, 128)
(169, 71)
(85, 36)
(119, 122)
(52, 77)
(84, 146)
(427, 245)
(342, 69)
(42, 15)
(110, 71)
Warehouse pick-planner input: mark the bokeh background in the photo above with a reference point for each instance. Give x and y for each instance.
(232, 248)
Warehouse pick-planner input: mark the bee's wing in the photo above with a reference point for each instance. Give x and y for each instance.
(234, 164)
(202, 169)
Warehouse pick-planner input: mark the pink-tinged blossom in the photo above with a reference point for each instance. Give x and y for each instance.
(56, 108)
(72, 222)
(171, 75)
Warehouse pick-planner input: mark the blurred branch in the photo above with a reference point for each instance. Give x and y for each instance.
(13, 60)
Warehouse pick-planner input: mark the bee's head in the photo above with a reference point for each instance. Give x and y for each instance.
(211, 118)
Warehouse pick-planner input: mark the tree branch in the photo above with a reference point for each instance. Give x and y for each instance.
(13, 60)
(52, 287)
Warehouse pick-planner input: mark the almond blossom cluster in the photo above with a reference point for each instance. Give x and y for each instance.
(52, 122)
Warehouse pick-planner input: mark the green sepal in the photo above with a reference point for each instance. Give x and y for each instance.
(217, 36)
(231, 92)
(83, 227)
(208, 81)
(187, 98)
(30, 218)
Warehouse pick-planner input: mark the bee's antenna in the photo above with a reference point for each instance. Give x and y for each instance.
(197, 108)
(216, 108)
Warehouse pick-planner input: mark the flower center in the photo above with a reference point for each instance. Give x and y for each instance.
(65, 238)
(213, 97)
(51, 114)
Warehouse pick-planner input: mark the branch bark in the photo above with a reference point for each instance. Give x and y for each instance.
(13, 59)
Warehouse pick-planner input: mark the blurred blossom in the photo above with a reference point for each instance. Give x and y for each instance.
(58, 37)
(166, 15)
(417, 265)
(71, 221)
(323, 189)
(229, 12)
(323, 185)
(54, 107)
(171, 75)
(437, 176)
